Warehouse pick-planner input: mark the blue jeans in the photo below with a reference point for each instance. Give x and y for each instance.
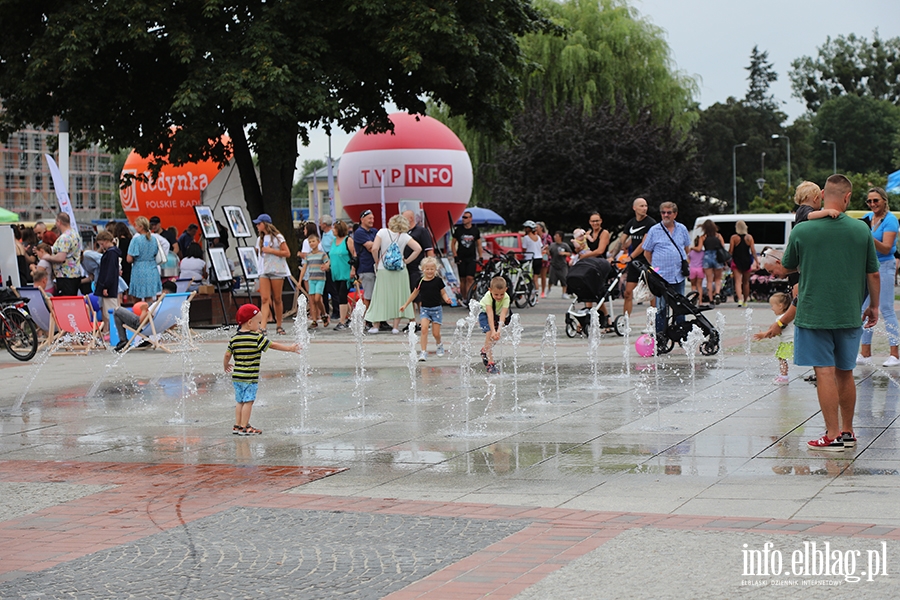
(661, 307)
(885, 305)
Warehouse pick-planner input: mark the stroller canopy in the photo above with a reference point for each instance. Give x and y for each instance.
(587, 279)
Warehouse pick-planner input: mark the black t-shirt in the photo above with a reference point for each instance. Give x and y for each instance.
(802, 213)
(636, 230)
(465, 242)
(423, 237)
(430, 292)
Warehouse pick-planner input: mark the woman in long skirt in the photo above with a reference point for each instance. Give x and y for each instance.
(392, 287)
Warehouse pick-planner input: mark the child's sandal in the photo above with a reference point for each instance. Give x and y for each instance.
(249, 429)
(325, 321)
(236, 430)
(280, 331)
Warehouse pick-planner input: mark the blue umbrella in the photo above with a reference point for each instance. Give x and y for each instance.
(893, 183)
(483, 216)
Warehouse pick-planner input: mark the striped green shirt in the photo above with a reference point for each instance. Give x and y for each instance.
(247, 347)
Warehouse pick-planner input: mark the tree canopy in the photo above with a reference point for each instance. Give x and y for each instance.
(866, 131)
(168, 77)
(849, 65)
(569, 163)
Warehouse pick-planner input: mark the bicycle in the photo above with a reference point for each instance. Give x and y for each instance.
(522, 290)
(17, 330)
(489, 269)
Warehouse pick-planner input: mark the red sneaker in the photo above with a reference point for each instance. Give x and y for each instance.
(826, 443)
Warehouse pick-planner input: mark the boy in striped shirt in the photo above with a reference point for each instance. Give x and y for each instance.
(247, 346)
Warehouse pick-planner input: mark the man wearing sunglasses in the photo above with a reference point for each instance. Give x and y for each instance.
(466, 247)
(666, 246)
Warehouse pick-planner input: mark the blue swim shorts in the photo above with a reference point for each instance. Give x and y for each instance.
(316, 287)
(245, 391)
(435, 314)
(826, 347)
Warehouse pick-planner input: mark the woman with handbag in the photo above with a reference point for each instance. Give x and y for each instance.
(142, 254)
(714, 259)
(743, 262)
(343, 270)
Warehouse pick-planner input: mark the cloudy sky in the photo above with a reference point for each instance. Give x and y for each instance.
(711, 40)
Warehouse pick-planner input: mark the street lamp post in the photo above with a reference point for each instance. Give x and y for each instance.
(833, 155)
(761, 182)
(734, 172)
(775, 136)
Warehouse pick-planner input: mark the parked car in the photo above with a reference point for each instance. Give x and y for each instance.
(503, 243)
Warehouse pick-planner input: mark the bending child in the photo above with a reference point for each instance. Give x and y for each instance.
(432, 295)
(494, 314)
(780, 303)
(247, 346)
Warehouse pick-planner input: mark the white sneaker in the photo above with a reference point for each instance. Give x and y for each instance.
(395, 331)
(422, 356)
(374, 329)
(440, 350)
(892, 361)
(863, 360)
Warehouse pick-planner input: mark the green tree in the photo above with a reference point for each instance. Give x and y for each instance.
(849, 65)
(167, 77)
(761, 76)
(608, 160)
(865, 130)
(609, 56)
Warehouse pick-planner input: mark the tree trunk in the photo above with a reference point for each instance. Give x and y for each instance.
(244, 159)
(277, 151)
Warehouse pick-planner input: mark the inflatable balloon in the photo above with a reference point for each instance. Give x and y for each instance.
(645, 345)
(171, 196)
(422, 161)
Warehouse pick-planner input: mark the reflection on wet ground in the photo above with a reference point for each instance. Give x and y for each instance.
(728, 425)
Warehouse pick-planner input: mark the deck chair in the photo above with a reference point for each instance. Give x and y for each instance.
(40, 313)
(73, 316)
(182, 285)
(298, 289)
(163, 318)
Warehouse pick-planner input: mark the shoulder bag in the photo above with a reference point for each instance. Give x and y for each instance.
(685, 265)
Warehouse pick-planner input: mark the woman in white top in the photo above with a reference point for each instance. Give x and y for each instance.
(193, 266)
(273, 268)
(392, 287)
(533, 247)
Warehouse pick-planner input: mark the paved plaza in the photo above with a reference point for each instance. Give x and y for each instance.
(572, 474)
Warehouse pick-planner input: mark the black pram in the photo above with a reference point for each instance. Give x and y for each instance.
(592, 280)
(679, 310)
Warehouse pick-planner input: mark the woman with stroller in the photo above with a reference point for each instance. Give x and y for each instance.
(743, 262)
(712, 242)
(597, 238)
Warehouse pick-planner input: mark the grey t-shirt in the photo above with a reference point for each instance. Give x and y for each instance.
(557, 260)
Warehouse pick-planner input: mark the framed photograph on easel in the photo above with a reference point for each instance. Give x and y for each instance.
(249, 261)
(236, 221)
(207, 222)
(220, 264)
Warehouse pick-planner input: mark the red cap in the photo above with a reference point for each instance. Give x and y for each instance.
(245, 313)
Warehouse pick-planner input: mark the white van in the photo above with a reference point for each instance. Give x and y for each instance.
(767, 229)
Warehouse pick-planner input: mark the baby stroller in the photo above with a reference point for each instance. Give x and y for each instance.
(592, 280)
(679, 306)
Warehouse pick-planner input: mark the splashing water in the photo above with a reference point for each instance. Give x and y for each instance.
(185, 346)
(650, 329)
(548, 340)
(515, 338)
(594, 336)
(358, 328)
(626, 345)
(302, 339)
(720, 327)
(694, 338)
(412, 359)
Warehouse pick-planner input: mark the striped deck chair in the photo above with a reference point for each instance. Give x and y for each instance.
(73, 317)
(163, 318)
(40, 313)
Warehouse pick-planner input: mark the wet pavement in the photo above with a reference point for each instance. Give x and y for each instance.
(118, 474)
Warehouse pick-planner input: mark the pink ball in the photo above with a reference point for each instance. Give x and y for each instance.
(645, 345)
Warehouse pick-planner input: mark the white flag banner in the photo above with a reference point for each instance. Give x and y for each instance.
(61, 191)
(314, 209)
(331, 190)
(383, 209)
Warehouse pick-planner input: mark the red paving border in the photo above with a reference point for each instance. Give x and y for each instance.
(149, 498)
